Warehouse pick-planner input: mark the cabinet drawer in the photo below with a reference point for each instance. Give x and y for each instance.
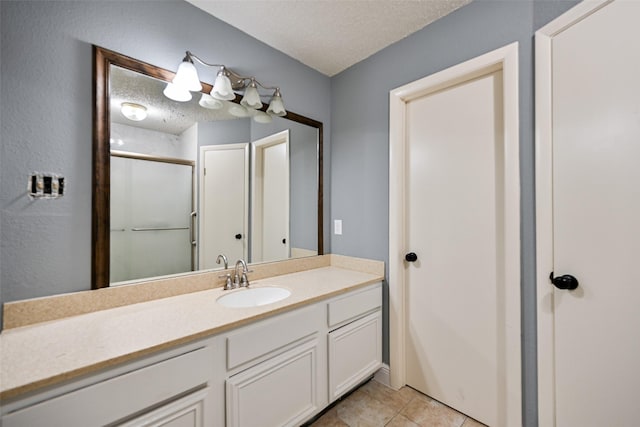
(256, 340)
(189, 411)
(119, 397)
(354, 305)
(355, 352)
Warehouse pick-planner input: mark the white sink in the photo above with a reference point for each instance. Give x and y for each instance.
(253, 297)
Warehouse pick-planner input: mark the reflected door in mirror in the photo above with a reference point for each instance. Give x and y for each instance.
(224, 197)
(270, 224)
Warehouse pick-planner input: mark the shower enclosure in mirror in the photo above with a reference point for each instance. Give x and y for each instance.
(177, 183)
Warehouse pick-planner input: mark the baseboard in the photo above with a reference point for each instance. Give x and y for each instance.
(382, 375)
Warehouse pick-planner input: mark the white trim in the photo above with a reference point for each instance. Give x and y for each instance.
(505, 59)
(544, 201)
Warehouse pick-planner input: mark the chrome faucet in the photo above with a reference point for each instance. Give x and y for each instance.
(224, 259)
(240, 279)
(228, 284)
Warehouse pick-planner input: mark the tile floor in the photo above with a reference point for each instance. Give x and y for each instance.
(374, 405)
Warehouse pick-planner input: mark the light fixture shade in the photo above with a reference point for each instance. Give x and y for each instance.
(238, 110)
(276, 106)
(187, 77)
(222, 87)
(134, 112)
(251, 98)
(176, 93)
(262, 117)
(208, 101)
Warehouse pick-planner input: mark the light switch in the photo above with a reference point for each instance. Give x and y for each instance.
(337, 226)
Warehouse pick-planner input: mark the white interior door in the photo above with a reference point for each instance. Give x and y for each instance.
(596, 218)
(270, 230)
(224, 199)
(454, 200)
(453, 225)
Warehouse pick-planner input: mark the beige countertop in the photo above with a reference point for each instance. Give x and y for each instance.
(50, 352)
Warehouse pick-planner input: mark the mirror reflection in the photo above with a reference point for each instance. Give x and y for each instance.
(192, 180)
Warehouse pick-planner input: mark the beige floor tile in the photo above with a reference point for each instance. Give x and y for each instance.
(361, 410)
(401, 421)
(427, 412)
(330, 419)
(396, 400)
(470, 422)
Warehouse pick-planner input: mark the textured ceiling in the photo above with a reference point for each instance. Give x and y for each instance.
(329, 35)
(164, 115)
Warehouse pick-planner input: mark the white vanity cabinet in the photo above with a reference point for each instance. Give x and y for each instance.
(354, 339)
(171, 390)
(277, 370)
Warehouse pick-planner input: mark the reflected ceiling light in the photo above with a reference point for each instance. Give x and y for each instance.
(208, 101)
(227, 82)
(135, 112)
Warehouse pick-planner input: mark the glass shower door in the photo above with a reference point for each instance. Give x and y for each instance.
(151, 219)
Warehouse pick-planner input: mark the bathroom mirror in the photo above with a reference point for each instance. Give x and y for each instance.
(172, 163)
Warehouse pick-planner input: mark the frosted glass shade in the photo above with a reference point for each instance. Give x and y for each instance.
(276, 106)
(238, 110)
(176, 93)
(208, 101)
(251, 98)
(187, 77)
(262, 117)
(222, 88)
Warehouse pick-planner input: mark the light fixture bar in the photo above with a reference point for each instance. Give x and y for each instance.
(186, 80)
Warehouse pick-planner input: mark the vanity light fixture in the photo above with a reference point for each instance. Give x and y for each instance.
(208, 101)
(227, 81)
(135, 112)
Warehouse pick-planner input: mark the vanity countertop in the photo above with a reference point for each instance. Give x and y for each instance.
(48, 353)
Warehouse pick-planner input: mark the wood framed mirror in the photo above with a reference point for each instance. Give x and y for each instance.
(105, 62)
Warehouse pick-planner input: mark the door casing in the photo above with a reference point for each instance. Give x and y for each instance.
(505, 59)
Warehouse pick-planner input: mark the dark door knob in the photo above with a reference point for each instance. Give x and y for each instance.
(238, 236)
(411, 257)
(567, 282)
(284, 241)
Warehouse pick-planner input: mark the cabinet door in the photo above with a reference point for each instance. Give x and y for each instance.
(278, 392)
(193, 410)
(355, 352)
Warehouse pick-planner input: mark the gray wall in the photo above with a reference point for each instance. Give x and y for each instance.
(360, 137)
(46, 114)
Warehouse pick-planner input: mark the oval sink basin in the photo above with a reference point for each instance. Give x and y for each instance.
(253, 297)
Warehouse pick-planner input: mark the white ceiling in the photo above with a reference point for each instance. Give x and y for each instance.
(329, 35)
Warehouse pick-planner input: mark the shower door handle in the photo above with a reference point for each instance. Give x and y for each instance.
(192, 228)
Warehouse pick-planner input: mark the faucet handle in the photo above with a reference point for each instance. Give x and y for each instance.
(245, 280)
(228, 283)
